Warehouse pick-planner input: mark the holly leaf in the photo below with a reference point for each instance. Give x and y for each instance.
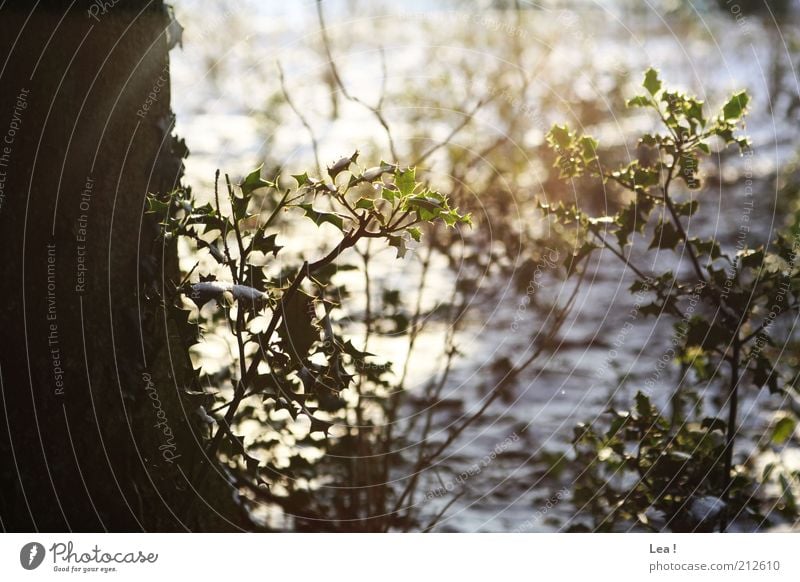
(559, 136)
(644, 409)
(265, 244)
(588, 148)
(752, 258)
(297, 329)
(651, 81)
(638, 101)
(318, 217)
(240, 206)
(302, 179)
(341, 165)
(665, 236)
(319, 425)
(784, 429)
(406, 181)
(708, 247)
(399, 243)
(711, 424)
(154, 205)
(736, 106)
(253, 181)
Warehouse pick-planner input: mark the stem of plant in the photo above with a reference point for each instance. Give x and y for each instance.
(730, 439)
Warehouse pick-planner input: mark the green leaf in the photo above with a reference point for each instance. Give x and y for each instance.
(319, 217)
(589, 147)
(687, 208)
(154, 205)
(302, 179)
(711, 424)
(708, 247)
(572, 261)
(639, 101)
(665, 236)
(784, 429)
(428, 207)
(365, 203)
(399, 243)
(736, 105)
(406, 181)
(372, 174)
(651, 81)
(388, 193)
(415, 233)
(643, 407)
(645, 176)
(297, 329)
(341, 165)
(319, 425)
(752, 258)
(559, 136)
(266, 244)
(694, 111)
(788, 494)
(253, 181)
(704, 334)
(240, 206)
(650, 140)
(632, 219)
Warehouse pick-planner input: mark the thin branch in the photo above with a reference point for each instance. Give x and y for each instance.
(730, 437)
(375, 110)
(467, 118)
(229, 261)
(302, 118)
(433, 522)
(236, 230)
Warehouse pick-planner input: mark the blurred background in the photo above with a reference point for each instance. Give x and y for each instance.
(467, 91)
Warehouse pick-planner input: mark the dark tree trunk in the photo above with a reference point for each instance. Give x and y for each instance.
(95, 432)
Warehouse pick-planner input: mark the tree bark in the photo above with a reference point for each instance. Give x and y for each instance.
(96, 432)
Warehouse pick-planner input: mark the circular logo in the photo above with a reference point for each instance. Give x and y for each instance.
(31, 555)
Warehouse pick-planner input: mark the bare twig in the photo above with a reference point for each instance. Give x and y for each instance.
(464, 122)
(375, 110)
(302, 118)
